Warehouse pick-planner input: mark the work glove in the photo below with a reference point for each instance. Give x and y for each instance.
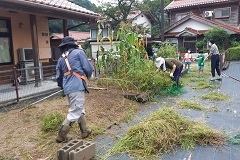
(171, 75)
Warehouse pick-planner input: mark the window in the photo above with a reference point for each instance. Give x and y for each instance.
(222, 12)
(94, 33)
(181, 16)
(5, 42)
(105, 32)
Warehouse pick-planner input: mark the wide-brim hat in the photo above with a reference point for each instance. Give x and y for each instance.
(68, 41)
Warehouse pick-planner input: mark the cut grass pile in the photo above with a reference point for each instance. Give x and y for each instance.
(191, 105)
(203, 85)
(215, 96)
(162, 132)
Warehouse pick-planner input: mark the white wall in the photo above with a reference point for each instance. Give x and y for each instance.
(142, 19)
(95, 47)
(191, 24)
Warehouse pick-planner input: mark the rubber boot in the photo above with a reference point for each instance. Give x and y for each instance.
(82, 125)
(62, 134)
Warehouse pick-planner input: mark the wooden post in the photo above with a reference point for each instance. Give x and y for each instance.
(65, 31)
(15, 82)
(33, 25)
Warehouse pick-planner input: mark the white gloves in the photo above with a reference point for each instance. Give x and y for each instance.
(171, 75)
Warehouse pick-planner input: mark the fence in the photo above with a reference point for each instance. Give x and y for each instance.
(29, 81)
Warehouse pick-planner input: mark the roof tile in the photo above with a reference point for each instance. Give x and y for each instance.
(65, 4)
(186, 3)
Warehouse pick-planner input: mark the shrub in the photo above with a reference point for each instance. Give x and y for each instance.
(233, 54)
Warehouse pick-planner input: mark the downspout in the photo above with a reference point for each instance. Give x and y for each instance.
(162, 20)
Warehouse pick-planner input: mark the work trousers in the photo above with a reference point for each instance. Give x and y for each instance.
(177, 74)
(215, 63)
(76, 105)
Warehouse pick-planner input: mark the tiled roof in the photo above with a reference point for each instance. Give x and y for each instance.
(63, 4)
(75, 34)
(202, 20)
(193, 31)
(187, 3)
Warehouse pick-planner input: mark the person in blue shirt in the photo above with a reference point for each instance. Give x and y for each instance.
(72, 71)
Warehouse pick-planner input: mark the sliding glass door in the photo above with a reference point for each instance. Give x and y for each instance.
(5, 42)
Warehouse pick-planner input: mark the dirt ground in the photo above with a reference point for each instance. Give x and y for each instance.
(21, 135)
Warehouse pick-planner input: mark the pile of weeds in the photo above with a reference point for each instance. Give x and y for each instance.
(52, 121)
(162, 132)
(191, 105)
(215, 96)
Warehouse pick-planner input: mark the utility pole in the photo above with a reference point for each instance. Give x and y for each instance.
(162, 20)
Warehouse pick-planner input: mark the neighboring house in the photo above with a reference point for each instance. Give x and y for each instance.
(139, 18)
(56, 39)
(24, 29)
(80, 37)
(189, 20)
(136, 17)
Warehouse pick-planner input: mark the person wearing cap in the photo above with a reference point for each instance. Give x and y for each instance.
(215, 60)
(72, 71)
(170, 63)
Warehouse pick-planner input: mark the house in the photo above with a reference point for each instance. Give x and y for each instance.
(56, 39)
(24, 29)
(80, 37)
(135, 16)
(189, 20)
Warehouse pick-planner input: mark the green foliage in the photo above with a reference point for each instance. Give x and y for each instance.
(153, 9)
(143, 75)
(219, 35)
(86, 4)
(200, 44)
(234, 43)
(162, 132)
(233, 54)
(117, 11)
(168, 50)
(52, 121)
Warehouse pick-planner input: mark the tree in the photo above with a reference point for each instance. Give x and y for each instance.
(117, 11)
(153, 8)
(219, 35)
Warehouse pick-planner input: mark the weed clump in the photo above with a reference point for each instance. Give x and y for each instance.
(52, 121)
(215, 96)
(162, 132)
(191, 105)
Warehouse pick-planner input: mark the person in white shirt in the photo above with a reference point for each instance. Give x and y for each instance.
(188, 60)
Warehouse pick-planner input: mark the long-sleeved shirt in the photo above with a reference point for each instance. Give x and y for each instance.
(80, 64)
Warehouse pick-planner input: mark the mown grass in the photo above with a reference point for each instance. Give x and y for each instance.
(52, 121)
(162, 132)
(215, 96)
(191, 105)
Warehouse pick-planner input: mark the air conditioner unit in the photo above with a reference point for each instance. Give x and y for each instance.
(25, 54)
(208, 13)
(28, 71)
